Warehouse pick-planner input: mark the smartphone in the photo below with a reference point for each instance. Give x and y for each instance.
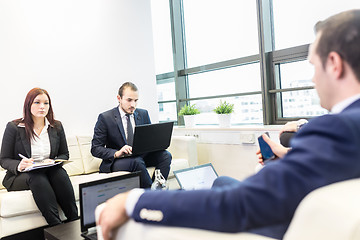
(266, 152)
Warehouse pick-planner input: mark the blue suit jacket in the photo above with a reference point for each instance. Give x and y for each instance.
(325, 151)
(109, 135)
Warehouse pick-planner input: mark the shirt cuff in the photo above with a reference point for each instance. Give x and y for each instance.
(132, 200)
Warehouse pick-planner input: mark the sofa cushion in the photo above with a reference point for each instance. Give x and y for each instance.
(2, 175)
(76, 166)
(91, 164)
(17, 203)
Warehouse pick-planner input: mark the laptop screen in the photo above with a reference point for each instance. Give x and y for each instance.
(152, 137)
(96, 192)
(198, 177)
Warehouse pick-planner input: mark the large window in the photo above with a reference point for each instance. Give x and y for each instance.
(218, 30)
(250, 53)
(294, 20)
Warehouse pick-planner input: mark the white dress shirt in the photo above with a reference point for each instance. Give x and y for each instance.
(124, 120)
(339, 107)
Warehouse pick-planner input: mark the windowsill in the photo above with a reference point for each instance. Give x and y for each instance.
(232, 128)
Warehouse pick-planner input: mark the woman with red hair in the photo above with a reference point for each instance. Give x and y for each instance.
(38, 137)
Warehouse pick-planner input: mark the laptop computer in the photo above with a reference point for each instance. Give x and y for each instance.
(96, 192)
(151, 138)
(198, 177)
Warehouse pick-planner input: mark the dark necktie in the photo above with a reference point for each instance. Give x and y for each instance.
(129, 130)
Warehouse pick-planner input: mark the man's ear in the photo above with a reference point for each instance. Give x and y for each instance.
(335, 64)
(118, 98)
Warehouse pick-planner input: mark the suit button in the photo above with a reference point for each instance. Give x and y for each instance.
(151, 215)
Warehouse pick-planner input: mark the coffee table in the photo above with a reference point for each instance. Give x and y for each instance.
(66, 231)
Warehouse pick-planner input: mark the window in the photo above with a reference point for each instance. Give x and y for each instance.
(294, 20)
(233, 80)
(251, 55)
(218, 30)
(247, 110)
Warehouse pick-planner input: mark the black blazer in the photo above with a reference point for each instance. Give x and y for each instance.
(15, 142)
(109, 135)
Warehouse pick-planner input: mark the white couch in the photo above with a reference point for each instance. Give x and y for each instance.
(18, 211)
(331, 212)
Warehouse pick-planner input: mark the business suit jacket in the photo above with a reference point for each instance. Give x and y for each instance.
(325, 151)
(109, 135)
(15, 142)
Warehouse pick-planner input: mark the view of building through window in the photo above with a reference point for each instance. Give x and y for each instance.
(222, 30)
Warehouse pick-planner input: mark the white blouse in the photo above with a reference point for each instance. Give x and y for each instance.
(40, 145)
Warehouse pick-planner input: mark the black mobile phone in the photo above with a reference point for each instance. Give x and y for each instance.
(266, 152)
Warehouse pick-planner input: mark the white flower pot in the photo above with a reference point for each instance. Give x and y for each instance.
(224, 120)
(189, 121)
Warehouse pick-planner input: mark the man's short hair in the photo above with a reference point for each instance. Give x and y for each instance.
(127, 85)
(341, 33)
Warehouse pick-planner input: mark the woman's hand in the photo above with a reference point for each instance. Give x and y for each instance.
(24, 163)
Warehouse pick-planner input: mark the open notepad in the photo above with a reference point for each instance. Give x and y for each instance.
(44, 165)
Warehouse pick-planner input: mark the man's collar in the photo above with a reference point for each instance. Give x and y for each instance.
(122, 112)
(339, 107)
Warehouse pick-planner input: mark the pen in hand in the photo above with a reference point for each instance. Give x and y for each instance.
(34, 161)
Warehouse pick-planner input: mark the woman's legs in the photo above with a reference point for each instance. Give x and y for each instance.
(64, 191)
(42, 191)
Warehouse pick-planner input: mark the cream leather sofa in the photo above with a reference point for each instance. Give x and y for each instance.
(18, 211)
(331, 212)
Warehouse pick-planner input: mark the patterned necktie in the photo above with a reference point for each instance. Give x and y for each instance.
(129, 130)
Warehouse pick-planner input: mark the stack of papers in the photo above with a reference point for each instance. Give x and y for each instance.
(44, 165)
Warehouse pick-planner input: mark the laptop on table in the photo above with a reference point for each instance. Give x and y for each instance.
(96, 192)
(151, 138)
(198, 177)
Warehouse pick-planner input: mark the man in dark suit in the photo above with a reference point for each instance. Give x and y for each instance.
(324, 151)
(113, 136)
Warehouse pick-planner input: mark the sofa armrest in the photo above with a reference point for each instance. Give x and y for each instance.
(184, 147)
(135, 230)
(330, 212)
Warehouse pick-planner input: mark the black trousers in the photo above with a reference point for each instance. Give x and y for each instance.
(159, 159)
(50, 186)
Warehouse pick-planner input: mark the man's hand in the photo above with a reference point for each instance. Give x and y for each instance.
(113, 215)
(289, 127)
(126, 149)
(278, 149)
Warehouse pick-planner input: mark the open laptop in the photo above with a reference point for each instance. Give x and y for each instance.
(96, 192)
(198, 177)
(151, 138)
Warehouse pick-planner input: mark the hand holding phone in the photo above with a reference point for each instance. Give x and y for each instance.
(266, 152)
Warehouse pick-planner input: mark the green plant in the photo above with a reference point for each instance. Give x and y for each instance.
(224, 108)
(189, 110)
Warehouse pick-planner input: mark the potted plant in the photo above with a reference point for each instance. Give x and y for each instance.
(224, 110)
(189, 112)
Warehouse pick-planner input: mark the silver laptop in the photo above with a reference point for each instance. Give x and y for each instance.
(96, 192)
(198, 177)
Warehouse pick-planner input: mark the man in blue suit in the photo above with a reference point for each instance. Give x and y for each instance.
(113, 135)
(324, 151)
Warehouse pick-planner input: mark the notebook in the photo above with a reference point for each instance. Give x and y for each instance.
(198, 177)
(96, 192)
(151, 138)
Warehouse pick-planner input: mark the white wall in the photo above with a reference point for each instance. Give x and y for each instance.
(80, 51)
